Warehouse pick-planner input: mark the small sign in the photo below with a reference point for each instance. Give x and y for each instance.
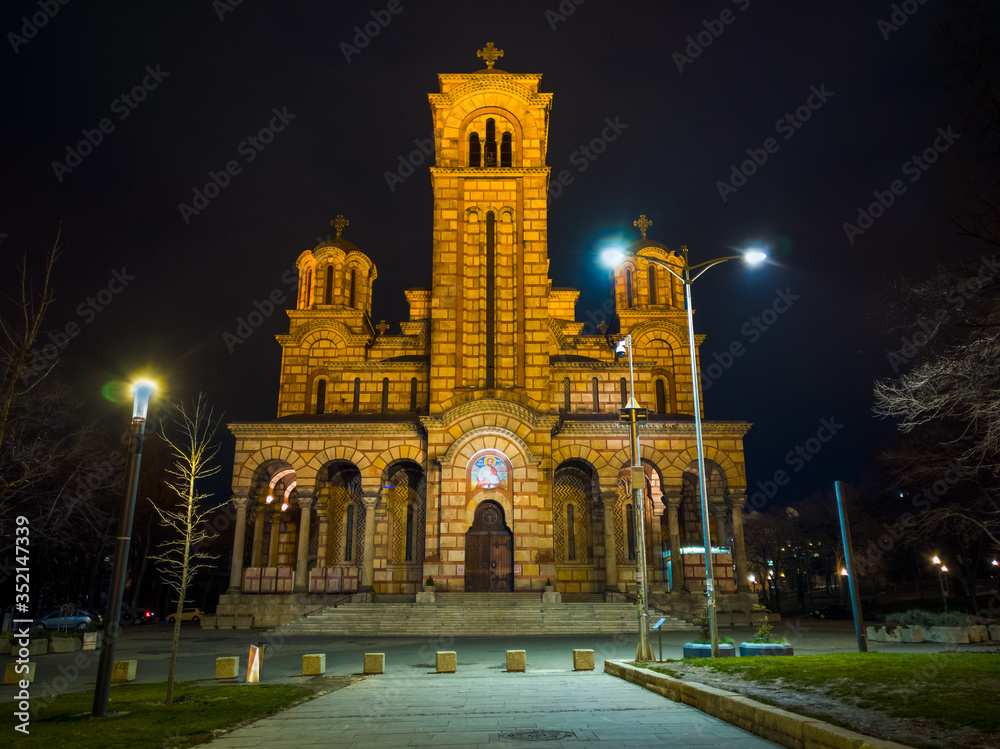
(253, 665)
(517, 570)
(461, 570)
(659, 623)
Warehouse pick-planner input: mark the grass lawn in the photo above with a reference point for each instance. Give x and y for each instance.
(954, 689)
(137, 717)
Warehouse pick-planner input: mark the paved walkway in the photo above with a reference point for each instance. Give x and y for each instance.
(486, 707)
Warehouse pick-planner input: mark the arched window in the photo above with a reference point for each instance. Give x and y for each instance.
(570, 532)
(320, 396)
(413, 395)
(623, 386)
(506, 149)
(328, 291)
(652, 285)
(630, 522)
(357, 395)
(408, 555)
(353, 288)
(566, 401)
(385, 395)
(628, 288)
(349, 535)
(595, 389)
(475, 150)
(491, 143)
(661, 397)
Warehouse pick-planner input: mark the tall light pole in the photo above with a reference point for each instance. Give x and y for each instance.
(632, 414)
(688, 275)
(941, 570)
(141, 391)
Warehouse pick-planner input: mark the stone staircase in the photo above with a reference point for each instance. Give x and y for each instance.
(476, 614)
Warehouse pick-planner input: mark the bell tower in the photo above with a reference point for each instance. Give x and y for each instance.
(490, 259)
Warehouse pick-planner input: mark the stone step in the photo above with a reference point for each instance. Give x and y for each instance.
(475, 615)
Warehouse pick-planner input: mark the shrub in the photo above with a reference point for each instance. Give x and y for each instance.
(925, 619)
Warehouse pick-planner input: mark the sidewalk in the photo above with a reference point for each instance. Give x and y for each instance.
(482, 706)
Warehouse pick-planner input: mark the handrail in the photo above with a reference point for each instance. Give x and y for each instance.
(366, 593)
(634, 599)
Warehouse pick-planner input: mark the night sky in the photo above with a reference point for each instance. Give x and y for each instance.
(846, 101)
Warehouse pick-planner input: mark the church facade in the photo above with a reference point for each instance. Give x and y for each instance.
(481, 444)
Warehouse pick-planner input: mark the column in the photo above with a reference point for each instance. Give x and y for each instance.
(608, 498)
(324, 534)
(272, 551)
(718, 510)
(737, 498)
(259, 519)
(370, 500)
(305, 501)
(240, 501)
(673, 501)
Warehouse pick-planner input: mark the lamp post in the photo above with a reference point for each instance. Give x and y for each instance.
(687, 276)
(632, 414)
(941, 570)
(996, 571)
(141, 392)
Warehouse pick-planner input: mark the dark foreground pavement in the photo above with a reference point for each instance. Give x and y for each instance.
(483, 706)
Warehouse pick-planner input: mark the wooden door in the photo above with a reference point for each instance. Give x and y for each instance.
(489, 551)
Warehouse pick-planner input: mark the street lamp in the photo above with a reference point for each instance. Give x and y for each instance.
(141, 392)
(941, 570)
(632, 414)
(688, 275)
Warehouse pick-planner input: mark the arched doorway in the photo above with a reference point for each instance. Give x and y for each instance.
(489, 551)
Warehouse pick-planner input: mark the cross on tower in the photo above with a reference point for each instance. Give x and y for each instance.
(382, 327)
(490, 54)
(340, 223)
(643, 223)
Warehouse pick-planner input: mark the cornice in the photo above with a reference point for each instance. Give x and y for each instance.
(654, 428)
(292, 429)
(473, 172)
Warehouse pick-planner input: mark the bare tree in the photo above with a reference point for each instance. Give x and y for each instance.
(946, 394)
(21, 319)
(193, 452)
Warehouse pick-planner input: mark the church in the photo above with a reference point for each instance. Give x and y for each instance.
(480, 446)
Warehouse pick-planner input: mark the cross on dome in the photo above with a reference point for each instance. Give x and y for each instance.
(643, 223)
(490, 54)
(340, 223)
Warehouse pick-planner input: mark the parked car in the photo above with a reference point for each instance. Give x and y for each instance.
(74, 619)
(833, 611)
(187, 615)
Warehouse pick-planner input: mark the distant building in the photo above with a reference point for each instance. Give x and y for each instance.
(480, 444)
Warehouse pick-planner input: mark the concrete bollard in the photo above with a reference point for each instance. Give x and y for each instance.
(583, 660)
(447, 661)
(38, 646)
(65, 644)
(91, 640)
(516, 661)
(11, 675)
(227, 668)
(123, 672)
(315, 664)
(374, 663)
